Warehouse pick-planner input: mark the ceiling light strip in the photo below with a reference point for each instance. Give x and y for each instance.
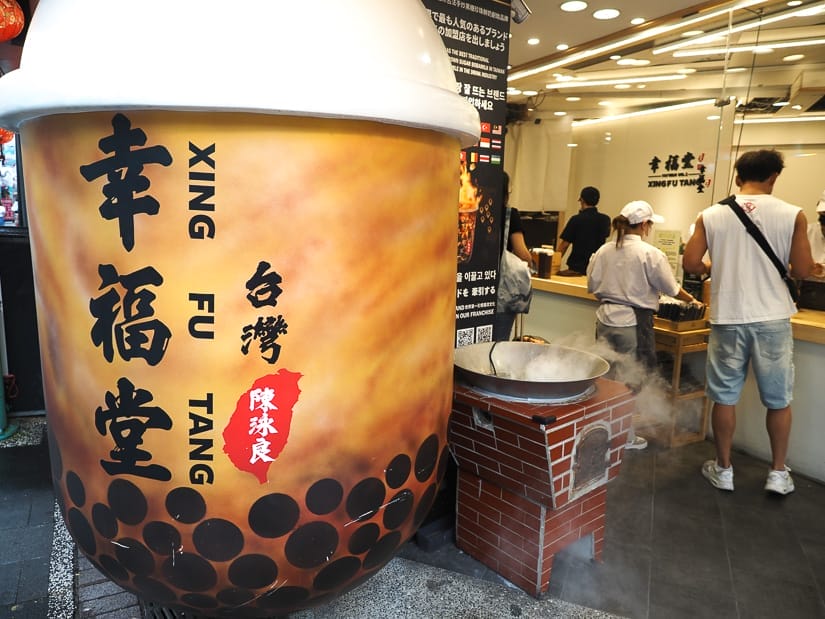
(710, 51)
(764, 121)
(636, 38)
(612, 82)
(657, 110)
(748, 25)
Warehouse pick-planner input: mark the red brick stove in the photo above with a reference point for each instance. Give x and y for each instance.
(532, 476)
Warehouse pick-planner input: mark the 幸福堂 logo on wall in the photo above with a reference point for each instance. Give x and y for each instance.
(671, 171)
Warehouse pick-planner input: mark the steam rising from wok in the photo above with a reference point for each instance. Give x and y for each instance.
(525, 369)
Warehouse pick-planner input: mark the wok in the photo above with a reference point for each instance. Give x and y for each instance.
(528, 370)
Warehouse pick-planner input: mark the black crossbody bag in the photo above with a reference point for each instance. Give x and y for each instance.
(760, 239)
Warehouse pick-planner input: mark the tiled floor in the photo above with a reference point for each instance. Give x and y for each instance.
(675, 547)
(26, 524)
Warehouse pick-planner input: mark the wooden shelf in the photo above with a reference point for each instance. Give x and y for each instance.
(689, 417)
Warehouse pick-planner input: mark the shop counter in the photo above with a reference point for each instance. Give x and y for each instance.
(808, 325)
(570, 286)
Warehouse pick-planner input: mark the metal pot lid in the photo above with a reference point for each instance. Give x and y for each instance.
(529, 370)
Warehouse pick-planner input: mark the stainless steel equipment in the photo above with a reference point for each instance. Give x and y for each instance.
(529, 370)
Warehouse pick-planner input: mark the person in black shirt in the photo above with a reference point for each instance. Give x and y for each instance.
(586, 231)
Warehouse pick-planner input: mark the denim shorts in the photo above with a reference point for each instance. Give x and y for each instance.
(768, 346)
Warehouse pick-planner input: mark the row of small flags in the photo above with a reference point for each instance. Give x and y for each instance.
(493, 143)
(488, 140)
(476, 157)
(490, 128)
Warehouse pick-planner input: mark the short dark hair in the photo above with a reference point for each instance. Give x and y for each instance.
(590, 195)
(759, 165)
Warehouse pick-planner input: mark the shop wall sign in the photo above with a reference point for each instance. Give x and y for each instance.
(678, 170)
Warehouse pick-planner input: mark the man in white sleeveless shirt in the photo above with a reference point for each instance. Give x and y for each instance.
(750, 310)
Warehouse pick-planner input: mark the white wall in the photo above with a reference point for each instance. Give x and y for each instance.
(537, 158)
(616, 156)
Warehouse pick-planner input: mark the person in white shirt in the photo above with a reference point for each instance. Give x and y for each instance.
(816, 231)
(750, 316)
(627, 276)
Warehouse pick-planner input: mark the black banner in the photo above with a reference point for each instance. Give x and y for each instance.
(476, 35)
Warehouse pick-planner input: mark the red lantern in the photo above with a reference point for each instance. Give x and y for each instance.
(6, 135)
(11, 20)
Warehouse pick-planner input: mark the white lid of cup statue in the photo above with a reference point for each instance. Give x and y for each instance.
(380, 60)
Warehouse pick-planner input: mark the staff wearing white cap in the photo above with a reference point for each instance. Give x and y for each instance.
(627, 275)
(816, 232)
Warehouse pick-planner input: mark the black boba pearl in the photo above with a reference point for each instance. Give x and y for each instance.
(274, 515)
(397, 509)
(365, 498)
(198, 600)
(74, 486)
(283, 597)
(336, 573)
(81, 531)
(153, 590)
(235, 597)
(398, 471)
(161, 537)
(382, 551)
(185, 505)
(311, 545)
(189, 572)
(324, 496)
(134, 556)
(424, 505)
(104, 520)
(425, 459)
(218, 540)
(111, 568)
(363, 539)
(253, 571)
(127, 501)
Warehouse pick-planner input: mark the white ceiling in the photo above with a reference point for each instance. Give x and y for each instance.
(760, 79)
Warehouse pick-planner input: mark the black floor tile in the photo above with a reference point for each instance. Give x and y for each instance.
(618, 584)
(675, 531)
(762, 595)
(42, 506)
(34, 579)
(689, 600)
(15, 514)
(629, 516)
(32, 609)
(815, 554)
(9, 577)
(769, 548)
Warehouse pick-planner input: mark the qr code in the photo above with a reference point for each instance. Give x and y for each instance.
(484, 333)
(463, 337)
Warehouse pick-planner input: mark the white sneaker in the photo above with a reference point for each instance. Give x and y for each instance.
(718, 477)
(636, 443)
(779, 482)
